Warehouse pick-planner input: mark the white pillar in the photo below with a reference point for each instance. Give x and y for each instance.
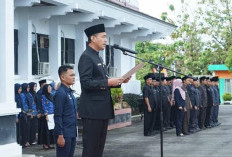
(25, 44)
(80, 45)
(7, 53)
(8, 146)
(54, 47)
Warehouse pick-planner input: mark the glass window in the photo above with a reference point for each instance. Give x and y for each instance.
(228, 85)
(16, 42)
(43, 51)
(67, 52)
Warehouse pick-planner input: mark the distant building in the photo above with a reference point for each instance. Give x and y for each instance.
(37, 36)
(225, 77)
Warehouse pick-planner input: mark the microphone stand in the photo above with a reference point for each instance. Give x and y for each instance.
(159, 67)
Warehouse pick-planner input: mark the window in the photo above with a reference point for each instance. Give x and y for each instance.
(43, 51)
(109, 57)
(67, 51)
(228, 85)
(16, 42)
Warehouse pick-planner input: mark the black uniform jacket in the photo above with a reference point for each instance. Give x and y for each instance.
(95, 99)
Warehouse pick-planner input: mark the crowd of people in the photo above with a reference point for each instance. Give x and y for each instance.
(35, 108)
(189, 104)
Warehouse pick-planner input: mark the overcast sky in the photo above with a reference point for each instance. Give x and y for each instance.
(156, 7)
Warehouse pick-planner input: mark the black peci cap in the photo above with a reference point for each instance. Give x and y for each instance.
(94, 30)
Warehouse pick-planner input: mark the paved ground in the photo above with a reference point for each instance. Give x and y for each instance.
(130, 142)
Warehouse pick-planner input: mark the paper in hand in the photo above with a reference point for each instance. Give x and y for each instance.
(133, 71)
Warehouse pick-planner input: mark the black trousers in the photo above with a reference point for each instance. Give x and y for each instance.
(148, 122)
(167, 115)
(208, 116)
(186, 121)
(46, 136)
(33, 129)
(173, 116)
(179, 120)
(193, 119)
(94, 137)
(68, 149)
(201, 119)
(23, 129)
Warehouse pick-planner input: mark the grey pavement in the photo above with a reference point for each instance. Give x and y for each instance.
(130, 142)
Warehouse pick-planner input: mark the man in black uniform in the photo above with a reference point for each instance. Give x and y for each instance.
(96, 106)
(166, 100)
(65, 114)
(203, 104)
(149, 105)
(210, 104)
(195, 107)
(155, 91)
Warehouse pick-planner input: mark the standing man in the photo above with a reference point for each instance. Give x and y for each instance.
(65, 114)
(96, 106)
(187, 107)
(203, 103)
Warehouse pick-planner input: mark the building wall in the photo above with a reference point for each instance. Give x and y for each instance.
(223, 74)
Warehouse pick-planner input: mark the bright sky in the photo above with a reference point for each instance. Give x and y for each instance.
(156, 7)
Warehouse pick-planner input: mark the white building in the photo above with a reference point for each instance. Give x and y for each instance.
(33, 35)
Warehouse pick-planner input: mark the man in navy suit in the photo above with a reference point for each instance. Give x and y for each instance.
(65, 114)
(96, 106)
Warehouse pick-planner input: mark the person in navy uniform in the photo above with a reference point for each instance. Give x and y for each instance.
(203, 103)
(179, 96)
(65, 114)
(96, 106)
(46, 137)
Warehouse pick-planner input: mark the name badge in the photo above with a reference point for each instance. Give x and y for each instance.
(99, 64)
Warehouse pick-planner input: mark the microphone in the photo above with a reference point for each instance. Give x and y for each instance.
(123, 49)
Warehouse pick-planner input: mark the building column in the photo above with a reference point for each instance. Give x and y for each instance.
(80, 45)
(8, 145)
(25, 44)
(54, 47)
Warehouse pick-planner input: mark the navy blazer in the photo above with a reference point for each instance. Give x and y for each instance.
(179, 101)
(65, 112)
(95, 99)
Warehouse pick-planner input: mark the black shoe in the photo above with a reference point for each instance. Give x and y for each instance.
(45, 148)
(186, 133)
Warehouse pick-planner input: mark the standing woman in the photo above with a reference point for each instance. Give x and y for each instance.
(179, 99)
(27, 101)
(34, 120)
(46, 137)
(20, 118)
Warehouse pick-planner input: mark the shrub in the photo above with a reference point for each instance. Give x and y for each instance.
(135, 101)
(116, 94)
(227, 97)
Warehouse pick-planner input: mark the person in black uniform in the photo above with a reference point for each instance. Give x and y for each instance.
(96, 106)
(203, 104)
(187, 107)
(195, 107)
(149, 106)
(211, 102)
(166, 99)
(39, 107)
(65, 114)
(155, 91)
(173, 109)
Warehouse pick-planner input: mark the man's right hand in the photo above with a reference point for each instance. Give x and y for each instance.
(149, 109)
(115, 81)
(60, 141)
